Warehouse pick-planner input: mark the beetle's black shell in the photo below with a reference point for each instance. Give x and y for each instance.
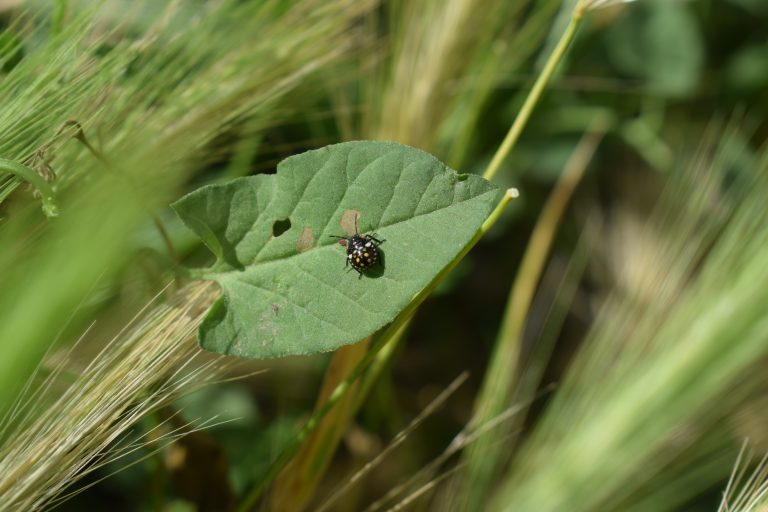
(362, 253)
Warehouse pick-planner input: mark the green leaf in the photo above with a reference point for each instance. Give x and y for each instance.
(291, 294)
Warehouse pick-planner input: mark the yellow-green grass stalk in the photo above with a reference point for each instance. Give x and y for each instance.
(533, 97)
(395, 443)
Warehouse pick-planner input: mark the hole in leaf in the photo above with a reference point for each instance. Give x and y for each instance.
(280, 227)
(462, 177)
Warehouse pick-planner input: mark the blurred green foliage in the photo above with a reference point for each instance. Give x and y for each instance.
(658, 71)
(659, 46)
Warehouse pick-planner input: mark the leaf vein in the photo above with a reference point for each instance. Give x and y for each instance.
(341, 201)
(334, 289)
(298, 201)
(296, 304)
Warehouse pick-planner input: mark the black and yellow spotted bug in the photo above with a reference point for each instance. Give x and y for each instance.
(362, 250)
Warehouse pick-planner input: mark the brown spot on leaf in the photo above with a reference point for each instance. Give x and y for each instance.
(306, 240)
(348, 220)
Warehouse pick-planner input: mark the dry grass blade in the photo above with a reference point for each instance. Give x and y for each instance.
(414, 99)
(432, 484)
(153, 447)
(746, 493)
(467, 437)
(134, 374)
(397, 441)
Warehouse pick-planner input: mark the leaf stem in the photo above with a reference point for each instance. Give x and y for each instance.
(50, 209)
(380, 341)
(534, 95)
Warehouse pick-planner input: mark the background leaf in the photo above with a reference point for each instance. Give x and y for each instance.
(291, 294)
(660, 44)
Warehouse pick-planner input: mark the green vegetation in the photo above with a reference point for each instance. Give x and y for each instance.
(575, 320)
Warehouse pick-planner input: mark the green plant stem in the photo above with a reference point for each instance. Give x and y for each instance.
(499, 384)
(50, 209)
(382, 360)
(533, 97)
(380, 341)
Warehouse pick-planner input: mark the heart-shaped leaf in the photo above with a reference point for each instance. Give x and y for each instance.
(285, 286)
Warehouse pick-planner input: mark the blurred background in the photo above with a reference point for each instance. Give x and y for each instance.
(663, 222)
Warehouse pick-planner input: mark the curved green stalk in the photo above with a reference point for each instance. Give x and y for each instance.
(50, 209)
(533, 97)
